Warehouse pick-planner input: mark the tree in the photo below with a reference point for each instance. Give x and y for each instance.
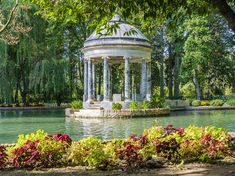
(206, 50)
(12, 13)
(100, 11)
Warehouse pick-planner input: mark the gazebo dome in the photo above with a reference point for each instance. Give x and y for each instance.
(120, 36)
(126, 40)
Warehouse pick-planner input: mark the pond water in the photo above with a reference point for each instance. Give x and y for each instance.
(13, 123)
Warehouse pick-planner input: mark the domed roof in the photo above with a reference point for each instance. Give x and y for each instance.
(124, 34)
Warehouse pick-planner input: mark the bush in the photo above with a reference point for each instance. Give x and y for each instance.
(231, 102)
(157, 101)
(116, 106)
(205, 103)
(145, 105)
(134, 105)
(216, 102)
(39, 150)
(175, 144)
(196, 103)
(76, 104)
(3, 157)
(88, 152)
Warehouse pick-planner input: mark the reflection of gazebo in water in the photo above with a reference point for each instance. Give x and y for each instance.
(132, 49)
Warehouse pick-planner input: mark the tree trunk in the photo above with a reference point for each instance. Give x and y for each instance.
(198, 89)
(162, 67)
(170, 83)
(226, 11)
(176, 77)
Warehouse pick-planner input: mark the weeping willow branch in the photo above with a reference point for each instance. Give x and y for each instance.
(10, 17)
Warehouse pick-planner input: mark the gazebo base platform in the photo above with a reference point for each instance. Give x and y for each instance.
(124, 113)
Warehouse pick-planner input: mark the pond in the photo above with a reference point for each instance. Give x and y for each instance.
(13, 123)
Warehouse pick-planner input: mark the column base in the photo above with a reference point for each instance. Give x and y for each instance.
(148, 97)
(126, 104)
(105, 104)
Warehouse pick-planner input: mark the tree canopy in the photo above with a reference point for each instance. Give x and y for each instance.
(100, 11)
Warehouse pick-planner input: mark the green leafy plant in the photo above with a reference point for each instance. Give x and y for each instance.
(39, 150)
(196, 103)
(76, 104)
(116, 106)
(157, 101)
(134, 105)
(216, 102)
(145, 105)
(205, 103)
(231, 102)
(88, 152)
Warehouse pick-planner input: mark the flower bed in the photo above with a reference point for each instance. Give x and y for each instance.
(39, 149)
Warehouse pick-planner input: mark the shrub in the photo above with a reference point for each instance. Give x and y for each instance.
(205, 103)
(76, 104)
(116, 106)
(204, 144)
(133, 105)
(145, 105)
(231, 102)
(88, 152)
(196, 103)
(216, 102)
(157, 101)
(3, 157)
(39, 150)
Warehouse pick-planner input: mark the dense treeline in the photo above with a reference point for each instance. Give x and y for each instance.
(41, 60)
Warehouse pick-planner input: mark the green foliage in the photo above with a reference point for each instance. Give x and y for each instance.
(188, 90)
(174, 144)
(216, 102)
(116, 106)
(205, 103)
(134, 105)
(157, 101)
(145, 105)
(76, 104)
(39, 150)
(231, 102)
(88, 152)
(196, 103)
(204, 144)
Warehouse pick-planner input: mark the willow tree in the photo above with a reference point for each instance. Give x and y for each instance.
(3, 26)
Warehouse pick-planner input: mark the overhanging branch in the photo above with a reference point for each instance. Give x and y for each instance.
(10, 17)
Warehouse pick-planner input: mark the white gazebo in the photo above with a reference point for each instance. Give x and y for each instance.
(126, 45)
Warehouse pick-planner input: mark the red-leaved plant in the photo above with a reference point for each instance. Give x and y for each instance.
(3, 157)
(27, 155)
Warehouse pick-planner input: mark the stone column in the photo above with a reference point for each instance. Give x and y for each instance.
(85, 81)
(143, 79)
(127, 79)
(93, 81)
(133, 87)
(89, 80)
(110, 81)
(106, 79)
(148, 81)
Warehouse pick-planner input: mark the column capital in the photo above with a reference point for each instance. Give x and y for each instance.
(126, 57)
(105, 57)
